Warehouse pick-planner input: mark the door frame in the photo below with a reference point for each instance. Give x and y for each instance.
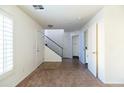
(72, 43)
(85, 42)
(96, 49)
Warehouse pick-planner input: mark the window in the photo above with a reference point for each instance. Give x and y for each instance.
(6, 44)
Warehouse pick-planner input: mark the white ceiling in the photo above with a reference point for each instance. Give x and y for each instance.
(68, 17)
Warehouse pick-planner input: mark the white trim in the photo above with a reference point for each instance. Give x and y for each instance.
(6, 13)
(6, 74)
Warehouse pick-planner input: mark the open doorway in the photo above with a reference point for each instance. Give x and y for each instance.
(75, 46)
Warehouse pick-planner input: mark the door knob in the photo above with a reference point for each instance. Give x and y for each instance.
(94, 52)
(38, 50)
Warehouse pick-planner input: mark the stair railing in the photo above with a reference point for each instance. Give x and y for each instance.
(53, 45)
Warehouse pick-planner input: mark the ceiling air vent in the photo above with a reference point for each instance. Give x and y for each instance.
(38, 7)
(50, 26)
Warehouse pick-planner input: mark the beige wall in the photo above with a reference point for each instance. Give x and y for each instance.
(114, 41)
(25, 36)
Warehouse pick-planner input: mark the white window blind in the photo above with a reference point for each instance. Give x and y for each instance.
(6, 44)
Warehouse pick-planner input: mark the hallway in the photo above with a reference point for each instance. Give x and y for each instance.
(69, 73)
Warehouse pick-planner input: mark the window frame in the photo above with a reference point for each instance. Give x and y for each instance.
(8, 73)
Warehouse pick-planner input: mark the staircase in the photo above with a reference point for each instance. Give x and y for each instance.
(53, 45)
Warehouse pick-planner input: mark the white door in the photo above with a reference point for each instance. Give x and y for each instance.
(75, 45)
(92, 52)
